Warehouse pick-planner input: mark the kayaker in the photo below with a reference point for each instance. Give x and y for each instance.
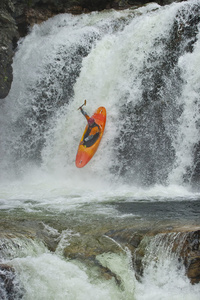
(93, 131)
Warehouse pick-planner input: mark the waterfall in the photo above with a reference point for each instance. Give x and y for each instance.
(69, 233)
(164, 273)
(34, 272)
(141, 64)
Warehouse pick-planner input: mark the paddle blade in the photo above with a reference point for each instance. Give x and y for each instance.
(82, 105)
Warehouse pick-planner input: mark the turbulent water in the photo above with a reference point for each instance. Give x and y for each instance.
(143, 66)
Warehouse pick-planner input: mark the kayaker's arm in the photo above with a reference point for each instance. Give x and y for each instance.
(84, 113)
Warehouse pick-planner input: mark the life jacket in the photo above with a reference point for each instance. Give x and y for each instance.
(93, 129)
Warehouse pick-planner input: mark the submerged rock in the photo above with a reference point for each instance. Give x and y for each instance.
(191, 255)
(8, 287)
(184, 245)
(84, 243)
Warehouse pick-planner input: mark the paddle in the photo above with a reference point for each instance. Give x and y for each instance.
(82, 105)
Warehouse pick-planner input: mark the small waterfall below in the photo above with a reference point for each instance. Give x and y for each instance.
(163, 260)
(155, 270)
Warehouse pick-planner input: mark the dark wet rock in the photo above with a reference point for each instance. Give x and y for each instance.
(89, 246)
(8, 287)
(8, 40)
(193, 267)
(191, 254)
(185, 245)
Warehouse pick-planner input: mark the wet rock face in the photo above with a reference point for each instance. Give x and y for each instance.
(8, 40)
(185, 245)
(8, 287)
(191, 254)
(143, 245)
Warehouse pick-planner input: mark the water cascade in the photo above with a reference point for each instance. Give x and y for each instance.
(143, 66)
(124, 60)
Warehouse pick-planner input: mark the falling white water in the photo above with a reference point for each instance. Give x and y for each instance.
(189, 128)
(41, 274)
(107, 58)
(41, 127)
(164, 275)
(50, 277)
(107, 85)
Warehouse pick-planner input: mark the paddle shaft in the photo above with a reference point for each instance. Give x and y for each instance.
(82, 105)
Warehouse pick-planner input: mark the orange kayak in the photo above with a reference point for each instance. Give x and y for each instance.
(84, 154)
